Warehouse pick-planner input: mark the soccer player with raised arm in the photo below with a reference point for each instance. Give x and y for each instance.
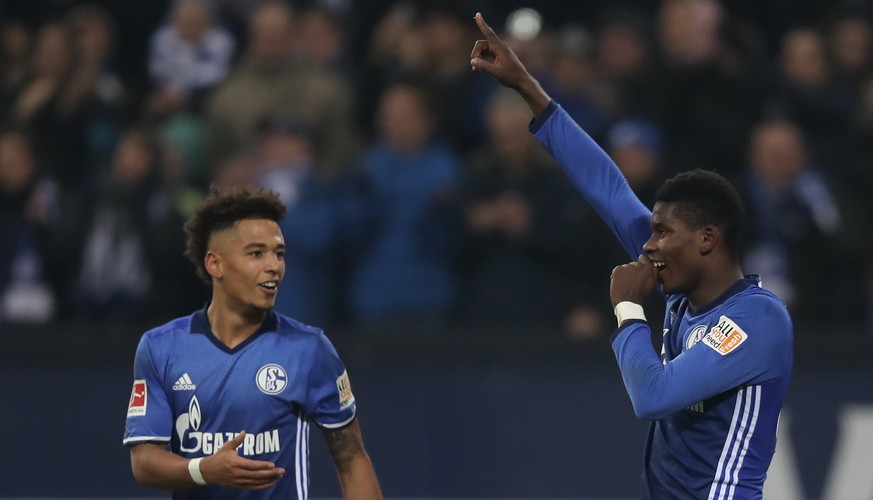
(715, 392)
(222, 399)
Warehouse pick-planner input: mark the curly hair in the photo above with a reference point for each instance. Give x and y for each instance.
(703, 197)
(222, 209)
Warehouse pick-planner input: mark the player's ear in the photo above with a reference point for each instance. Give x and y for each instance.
(708, 238)
(213, 264)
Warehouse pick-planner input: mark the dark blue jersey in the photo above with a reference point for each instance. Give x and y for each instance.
(715, 392)
(193, 393)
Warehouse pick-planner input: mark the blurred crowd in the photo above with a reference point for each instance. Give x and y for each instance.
(417, 199)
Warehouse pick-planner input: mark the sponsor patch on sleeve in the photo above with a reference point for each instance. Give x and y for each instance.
(138, 399)
(724, 337)
(346, 398)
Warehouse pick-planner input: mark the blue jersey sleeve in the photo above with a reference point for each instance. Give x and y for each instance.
(329, 401)
(149, 417)
(596, 176)
(746, 346)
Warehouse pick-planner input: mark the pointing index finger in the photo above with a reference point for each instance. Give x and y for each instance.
(486, 30)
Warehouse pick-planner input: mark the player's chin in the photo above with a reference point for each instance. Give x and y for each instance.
(264, 305)
(672, 288)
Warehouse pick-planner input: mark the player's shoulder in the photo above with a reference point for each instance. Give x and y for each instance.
(762, 301)
(286, 325)
(173, 327)
(758, 309)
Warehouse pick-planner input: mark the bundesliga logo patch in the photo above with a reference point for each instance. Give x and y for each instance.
(138, 399)
(725, 336)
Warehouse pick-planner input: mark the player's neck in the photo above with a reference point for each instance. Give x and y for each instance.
(713, 286)
(232, 327)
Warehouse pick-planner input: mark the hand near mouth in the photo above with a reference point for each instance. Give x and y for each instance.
(633, 282)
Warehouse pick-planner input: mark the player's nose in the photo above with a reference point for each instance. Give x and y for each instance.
(650, 246)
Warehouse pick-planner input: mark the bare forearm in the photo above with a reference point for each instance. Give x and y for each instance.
(358, 480)
(356, 473)
(534, 95)
(156, 467)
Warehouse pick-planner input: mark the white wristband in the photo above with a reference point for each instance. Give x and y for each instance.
(626, 310)
(194, 470)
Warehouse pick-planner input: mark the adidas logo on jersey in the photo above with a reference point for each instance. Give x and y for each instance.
(184, 384)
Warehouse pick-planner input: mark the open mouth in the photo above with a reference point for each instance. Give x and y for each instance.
(659, 265)
(269, 286)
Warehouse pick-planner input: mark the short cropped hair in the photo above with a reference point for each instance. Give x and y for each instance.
(702, 198)
(221, 210)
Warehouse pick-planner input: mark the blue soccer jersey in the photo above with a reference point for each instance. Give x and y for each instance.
(715, 392)
(194, 393)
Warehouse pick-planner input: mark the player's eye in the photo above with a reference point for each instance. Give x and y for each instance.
(256, 253)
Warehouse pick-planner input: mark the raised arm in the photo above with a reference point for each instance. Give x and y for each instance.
(590, 169)
(493, 56)
(356, 474)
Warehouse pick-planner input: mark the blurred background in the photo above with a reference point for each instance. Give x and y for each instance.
(462, 279)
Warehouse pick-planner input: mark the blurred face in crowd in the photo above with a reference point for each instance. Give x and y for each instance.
(285, 148)
(271, 34)
(247, 262)
(637, 163)
(688, 30)
(572, 71)
(445, 35)
(852, 44)
(94, 34)
(508, 119)
(403, 118)
(804, 58)
(134, 159)
(191, 20)
(53, 57)
(777, 152)
(16, 40)
(17, 165)
(621, 50)
(321, 37)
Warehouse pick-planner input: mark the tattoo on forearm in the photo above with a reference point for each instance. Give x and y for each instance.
(344, 446)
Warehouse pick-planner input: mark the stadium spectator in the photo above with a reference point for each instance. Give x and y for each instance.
(15, 52)
(313, 226)
(94, 33)
(815, 98)
(188, 56)
(573, 80)
(851, 48)
(323, 39)
(94, 78)
(795, 225)
(625, 63)
(25, 293)
(700, 75)
(131, 254)
(404, 272)
(56, 110)
(637, 148)
(271, 81)
(524, 229)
